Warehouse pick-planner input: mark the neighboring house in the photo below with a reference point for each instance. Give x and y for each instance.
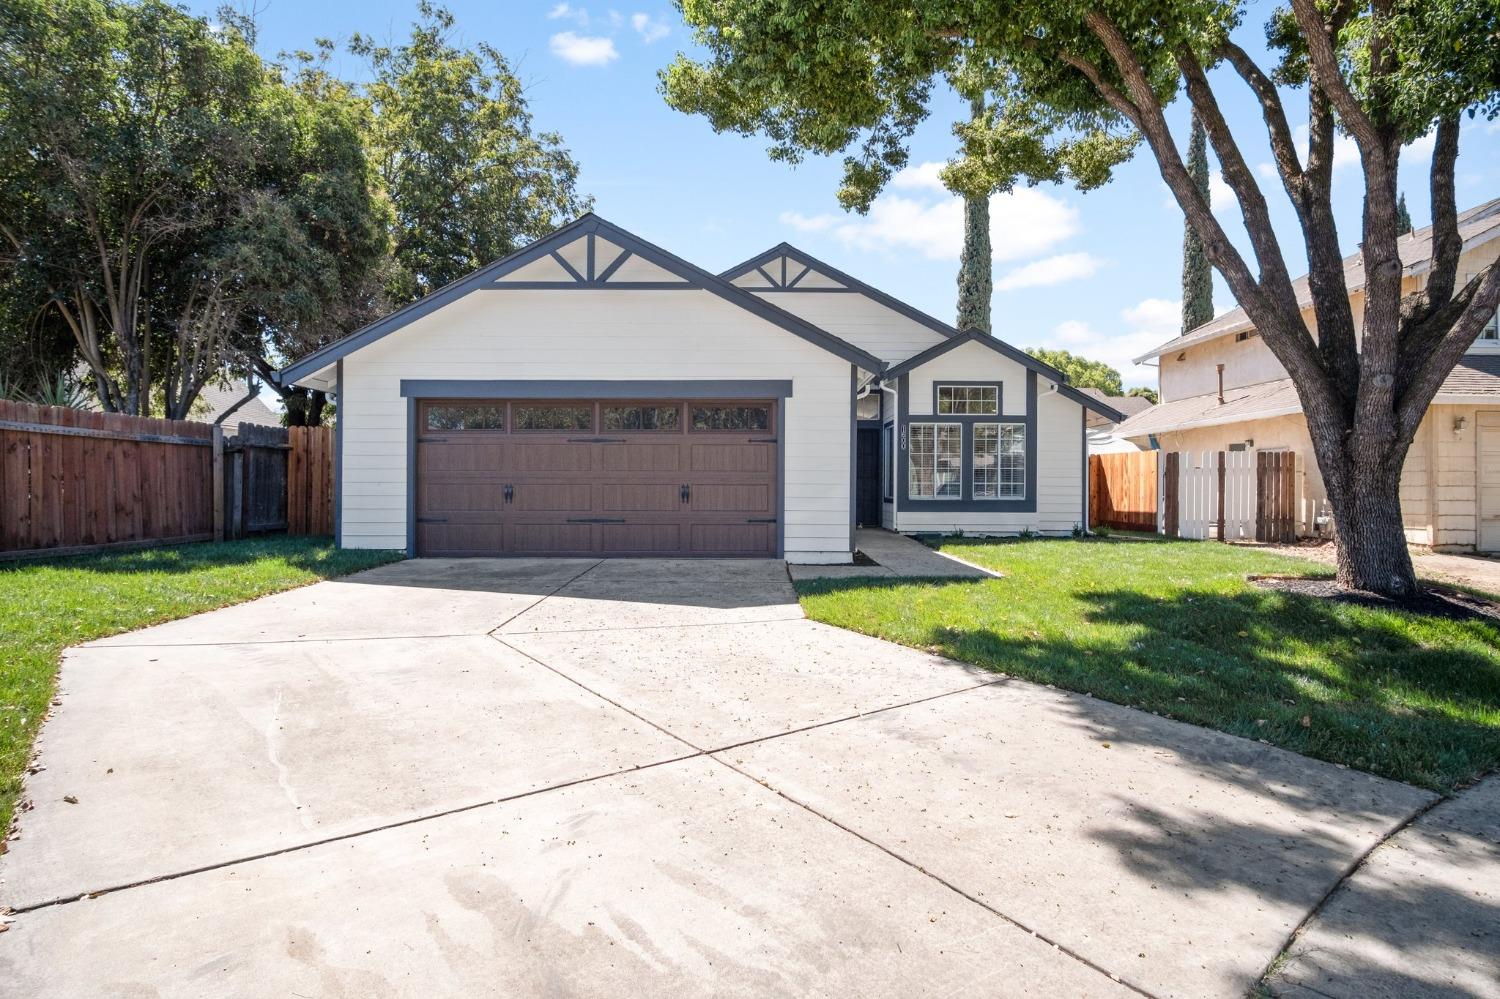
(216, 399)
(592, 394)
(1102, 436)
(1221, 388)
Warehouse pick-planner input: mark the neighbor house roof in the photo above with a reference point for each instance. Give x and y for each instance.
(1476, 376)
(1476, 226)
(686, 275)
(219, 398)
(1129, 405)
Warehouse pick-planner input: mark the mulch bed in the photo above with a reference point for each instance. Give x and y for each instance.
(1434, 601)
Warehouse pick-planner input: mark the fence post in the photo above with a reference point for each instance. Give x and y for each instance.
(218, 482)
(1221, 496)
(1171, 494)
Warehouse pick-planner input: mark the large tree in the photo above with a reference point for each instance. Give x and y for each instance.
(976, 284)
(1081, 371)
(1197, 276)
(167, 196)
(828, 76)
(452, 139)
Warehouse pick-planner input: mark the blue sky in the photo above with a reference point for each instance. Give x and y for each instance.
(1095, 273)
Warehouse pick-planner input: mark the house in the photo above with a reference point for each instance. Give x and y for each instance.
(593, 394)
(1102, 436)
(232, 404)
(1221, 388)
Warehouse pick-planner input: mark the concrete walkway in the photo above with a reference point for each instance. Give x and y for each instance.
(895, 555)
(537, 777)
(1421, 918)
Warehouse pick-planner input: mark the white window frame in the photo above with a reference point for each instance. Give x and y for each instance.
(1001, 455)
(912, 466)
(945, 386)
(1489, 337)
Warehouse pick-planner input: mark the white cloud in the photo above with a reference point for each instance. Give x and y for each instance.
(1050, 271)
(583, 50)
(1267, 170)
(648, 27)
(1023, 224)
(1345, 149)
(566, 11)
(922, 177)
(1221, 195)
(1146, 325)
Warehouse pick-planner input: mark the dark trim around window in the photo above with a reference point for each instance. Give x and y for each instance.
(966, 503)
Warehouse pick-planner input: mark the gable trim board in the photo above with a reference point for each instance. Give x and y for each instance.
(1005, 350)
(708, 341)
(590, 225)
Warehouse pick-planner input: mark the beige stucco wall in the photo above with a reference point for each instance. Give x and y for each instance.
(1290, 432)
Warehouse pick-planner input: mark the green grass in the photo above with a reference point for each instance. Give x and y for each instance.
(47, 605)
(1174, 628)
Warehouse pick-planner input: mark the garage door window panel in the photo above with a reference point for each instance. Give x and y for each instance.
(451, 417)
(563, 417)
(633, 417)
(730, 419)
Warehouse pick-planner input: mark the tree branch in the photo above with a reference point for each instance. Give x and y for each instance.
(1283, 147)
(1423, 376)
(1328, 76)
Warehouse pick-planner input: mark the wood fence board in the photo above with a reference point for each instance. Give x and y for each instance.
(1122, 490)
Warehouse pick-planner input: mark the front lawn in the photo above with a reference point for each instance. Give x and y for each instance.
(1173, 627)
(48, 605)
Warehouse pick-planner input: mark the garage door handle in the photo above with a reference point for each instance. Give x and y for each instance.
(685, 493)
(596, 440)
(596, 520)
(509, 493)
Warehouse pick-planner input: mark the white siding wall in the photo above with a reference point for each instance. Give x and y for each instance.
(862, 321)
(613, 335)
(1060, 442)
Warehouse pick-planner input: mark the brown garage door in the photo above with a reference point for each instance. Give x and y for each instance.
(596, 477)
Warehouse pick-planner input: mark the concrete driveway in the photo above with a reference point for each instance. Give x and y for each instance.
(557, 777)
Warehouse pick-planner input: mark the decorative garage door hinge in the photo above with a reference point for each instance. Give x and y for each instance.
(760, 520)
(596, 520)
(432, 520)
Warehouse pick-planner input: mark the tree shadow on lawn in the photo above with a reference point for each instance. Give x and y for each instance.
(1404, 696)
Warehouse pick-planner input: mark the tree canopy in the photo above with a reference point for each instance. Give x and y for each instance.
(1080, 371)
(1074, 88)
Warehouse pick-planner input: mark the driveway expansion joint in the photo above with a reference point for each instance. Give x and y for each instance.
(552, 593)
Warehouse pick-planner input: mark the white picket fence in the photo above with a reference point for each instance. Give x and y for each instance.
(1199, 479)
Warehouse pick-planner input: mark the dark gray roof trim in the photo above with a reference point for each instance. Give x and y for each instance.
(1005, 350)
(811, 262)
(694, 276)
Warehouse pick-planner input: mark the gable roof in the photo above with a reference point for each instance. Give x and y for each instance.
(556, 261)
(1019, 356)
(1476, 226)
(784, 280)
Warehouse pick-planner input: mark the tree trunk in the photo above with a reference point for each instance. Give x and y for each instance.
(975, 283)
(304, 407)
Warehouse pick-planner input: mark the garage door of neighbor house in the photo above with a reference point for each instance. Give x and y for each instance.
(596, 477)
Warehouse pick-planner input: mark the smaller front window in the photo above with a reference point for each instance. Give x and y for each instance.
(553, 417)
(968, 400)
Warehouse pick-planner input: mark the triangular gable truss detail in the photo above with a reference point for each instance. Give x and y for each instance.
(590, 261)
(776, 270)
(636, 264)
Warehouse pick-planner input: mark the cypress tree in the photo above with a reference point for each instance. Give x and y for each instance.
(975, 282)
(1403, 217)
(1197, 277)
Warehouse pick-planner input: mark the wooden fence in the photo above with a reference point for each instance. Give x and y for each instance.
(1229, 495)
(1122, 490)
(74, 481)
(309, 481)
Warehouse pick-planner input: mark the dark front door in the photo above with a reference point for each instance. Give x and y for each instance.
(867, 478)
(596, 477)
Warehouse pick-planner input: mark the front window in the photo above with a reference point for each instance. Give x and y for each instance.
(1006, 442)
(934, 460)
(968, 400)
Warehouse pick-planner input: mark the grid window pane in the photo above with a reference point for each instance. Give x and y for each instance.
(477, 416)
(986, 463)
(968, 400)
(1011, 461)
(641, 417)
(934, 461)
(731, 418)
(554, 417)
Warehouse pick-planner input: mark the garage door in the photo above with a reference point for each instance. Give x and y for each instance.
(596, 477)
